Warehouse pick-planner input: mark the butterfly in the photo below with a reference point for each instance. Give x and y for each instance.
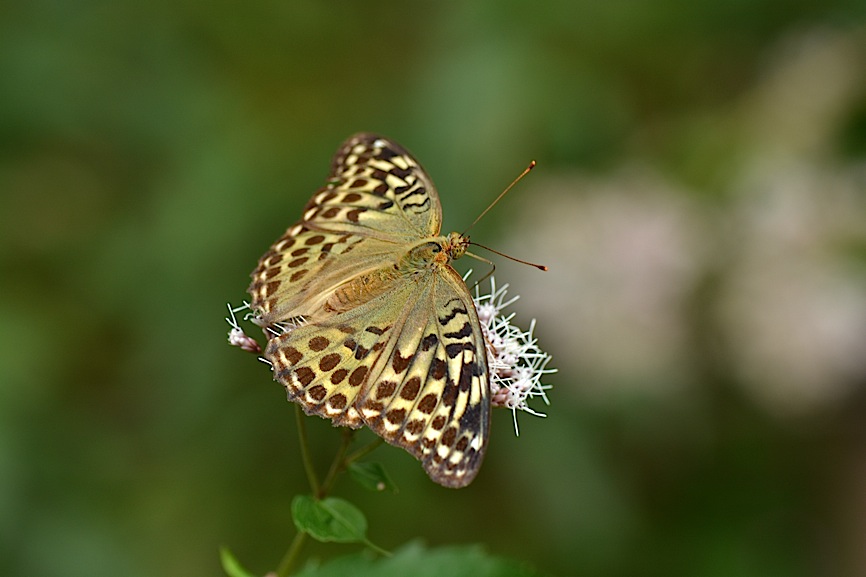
(368, 323)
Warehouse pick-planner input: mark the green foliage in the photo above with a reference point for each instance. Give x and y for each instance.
(150, 151)
(231, 565)
(372, 476)
(418, 561)
(330, 519)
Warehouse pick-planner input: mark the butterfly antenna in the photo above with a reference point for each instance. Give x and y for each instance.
(492, 204)
(538, 266)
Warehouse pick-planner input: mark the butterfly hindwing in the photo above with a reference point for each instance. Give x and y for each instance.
(415, 374)
(325, 365)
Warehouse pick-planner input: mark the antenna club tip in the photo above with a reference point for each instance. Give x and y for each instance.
(542, 267)
(532, 164)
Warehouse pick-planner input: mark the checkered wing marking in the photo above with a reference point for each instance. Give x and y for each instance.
(325, 365)
(376, 187)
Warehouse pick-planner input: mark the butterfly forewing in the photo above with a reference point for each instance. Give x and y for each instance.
(369, 322)
(377, 188)
(377, 193)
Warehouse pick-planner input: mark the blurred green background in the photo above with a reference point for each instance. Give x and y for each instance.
(700, 199)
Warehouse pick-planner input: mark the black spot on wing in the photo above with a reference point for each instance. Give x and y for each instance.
(417, 206)
(464, 332)
(454, 349)
(429, 342)
(409, 192)
(467, 372)
(401, 173)
(386, 153)
(471, 417)
(457, 310)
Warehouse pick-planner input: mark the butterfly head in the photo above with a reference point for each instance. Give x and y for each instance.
(453, 247)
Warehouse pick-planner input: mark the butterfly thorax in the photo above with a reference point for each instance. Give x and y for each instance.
(416, 263)
(433, 252)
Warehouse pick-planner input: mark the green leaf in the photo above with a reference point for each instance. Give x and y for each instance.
(372, 476)
(231, 565)
(417, 560)
(330, 519)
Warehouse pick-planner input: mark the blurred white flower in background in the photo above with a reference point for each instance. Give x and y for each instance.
(767, 260)
(793, 306)
(624, 255)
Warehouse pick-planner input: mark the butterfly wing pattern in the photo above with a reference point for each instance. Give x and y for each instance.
(368, 323)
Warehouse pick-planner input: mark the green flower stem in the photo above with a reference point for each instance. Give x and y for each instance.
(365, 450)
(320, 490)
(338, 464)
(305, 451)
(288, 561)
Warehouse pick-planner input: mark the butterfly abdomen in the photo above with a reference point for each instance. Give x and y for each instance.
(368, 286)
(360, 290)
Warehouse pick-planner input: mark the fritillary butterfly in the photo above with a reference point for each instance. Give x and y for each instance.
(369, 323)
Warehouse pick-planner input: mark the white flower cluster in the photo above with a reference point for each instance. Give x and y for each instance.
(237, 336)
(516, 362)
